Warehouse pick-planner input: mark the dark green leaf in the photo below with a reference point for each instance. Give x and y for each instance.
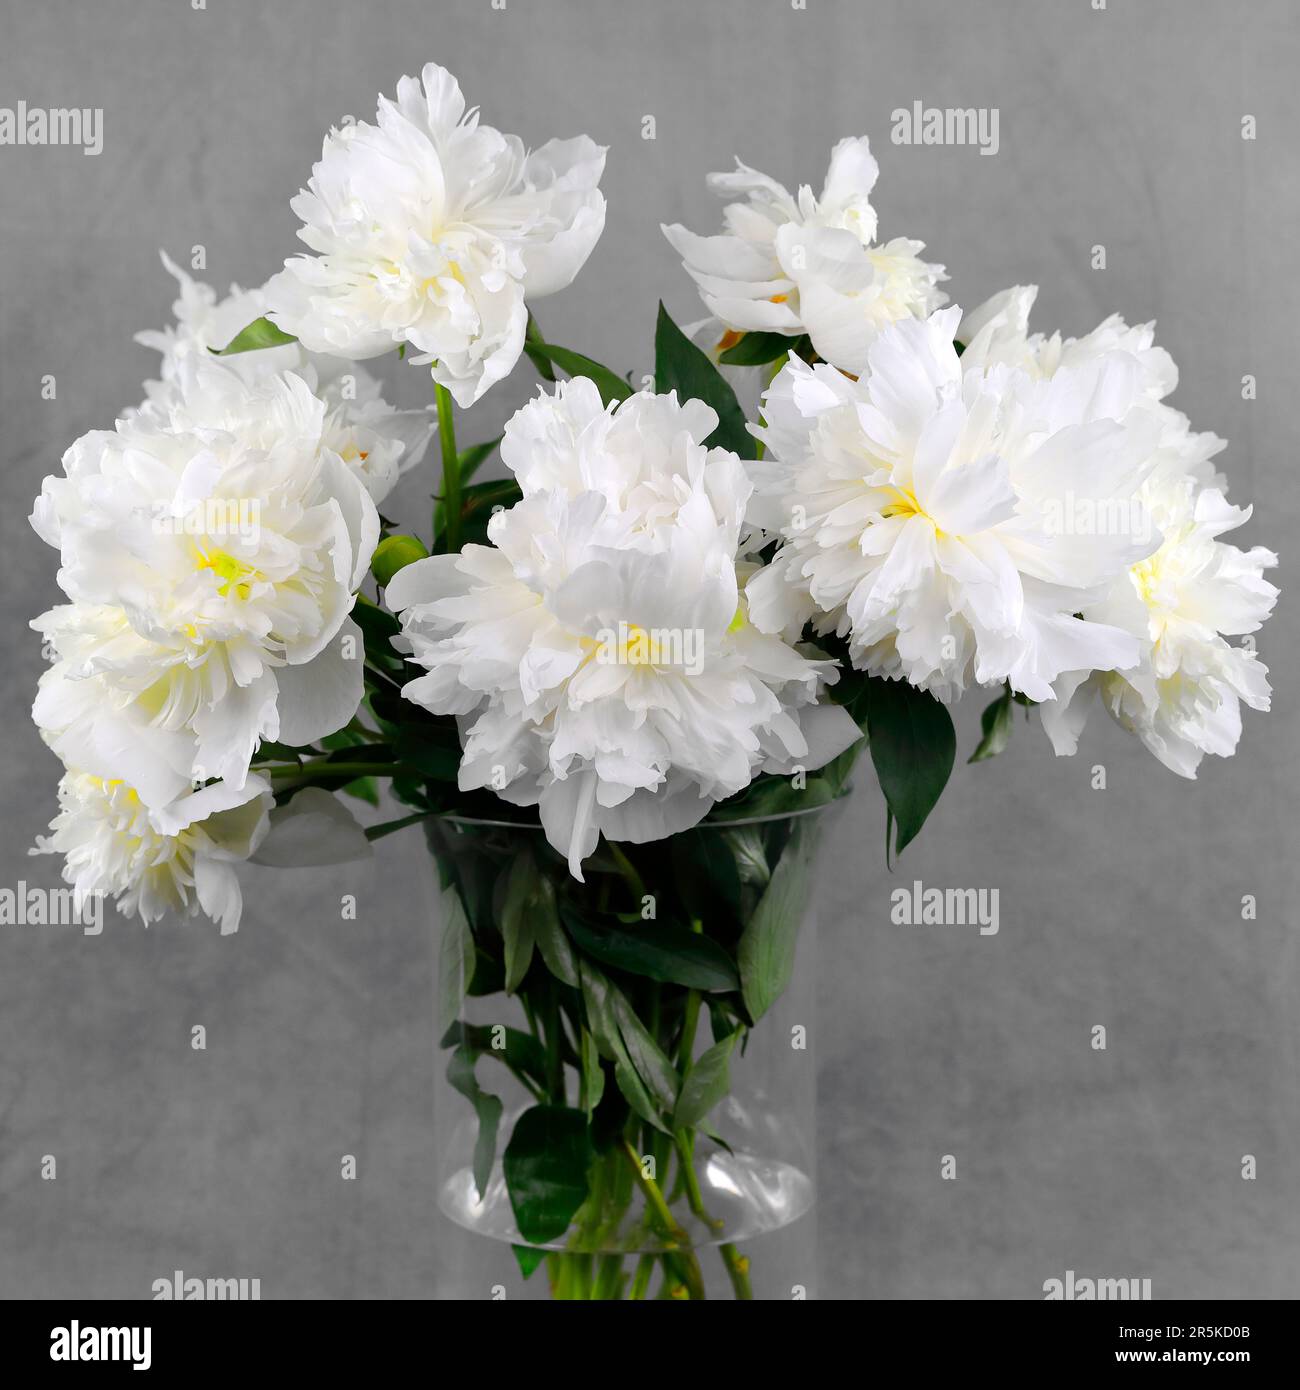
(456, 960)
(611, 386)
(478, 503)
(707, 881)
(378, 626)
(517, 917)
(529, 1258)
(656, 1072)
(546, 1165)
(533, 336)
(644, 1075)
(472, 459)
(364, 789)
(593, 1074)
(391, 827)
(261, 333)
(552, 943)
(767, 945)
(268, 752)
(520, 1051)
(460, 1072)
(770, 795)
(431, 749)
(707, 1080)
(682, 367)
(755, 349)
(913, 747)
(656, 950)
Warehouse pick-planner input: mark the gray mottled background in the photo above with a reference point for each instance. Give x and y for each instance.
(1118, 907)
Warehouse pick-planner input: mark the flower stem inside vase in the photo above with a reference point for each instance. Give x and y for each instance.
(639, 1091)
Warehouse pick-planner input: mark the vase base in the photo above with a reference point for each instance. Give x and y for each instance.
(745, 1196)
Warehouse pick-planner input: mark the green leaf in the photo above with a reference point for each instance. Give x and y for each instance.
(767, 945)
(546, 1165)
(554, 946)
(460, 1072)
(378, 627)
(473, 458)
(611, 386)
(682, 367)
(432, 749)
(755, 349)
(836, 772)
(533, 336)
(656, 1072)
(750, 857)
(270, 752)
(478, 503)
(470, 461)
(529, 1258)
(391, 827)
(645, 1076)
(394, 553)
(773, 795)
(364, 789)
(995, 723)
(656, 950)
(522, 888)
(261, 333)
(708, 883)
(521, 1052)
(456, 960)
(707, 1080)
(913, 747)
(593, 1074)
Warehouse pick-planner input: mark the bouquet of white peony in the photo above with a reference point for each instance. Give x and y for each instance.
(616, 685)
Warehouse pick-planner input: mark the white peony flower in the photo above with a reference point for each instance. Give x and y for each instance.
(432, 229)
(645, 457)
(211, 547)
(997, 333)
(179, 857)
(597, 655)
(1184, 697)
(801, 264)
(376, 441)
(950, 524)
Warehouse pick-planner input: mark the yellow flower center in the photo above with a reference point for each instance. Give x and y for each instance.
(1148, 577)
(234, 574)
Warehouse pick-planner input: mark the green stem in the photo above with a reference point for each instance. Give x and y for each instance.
(348, 770)
(293, 776)
(451, 502)
(690, 1021)
(694, 1197)
(609, 1278)
(655, 1197)
(554, 1049)
(645, 1267)
(738, 1270)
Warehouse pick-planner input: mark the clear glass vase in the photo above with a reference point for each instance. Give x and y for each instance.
(626, 1085)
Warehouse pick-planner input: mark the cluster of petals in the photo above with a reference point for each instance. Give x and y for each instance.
(598, 654)
(433, 230)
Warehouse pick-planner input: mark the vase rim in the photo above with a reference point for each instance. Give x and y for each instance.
(731, 824)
